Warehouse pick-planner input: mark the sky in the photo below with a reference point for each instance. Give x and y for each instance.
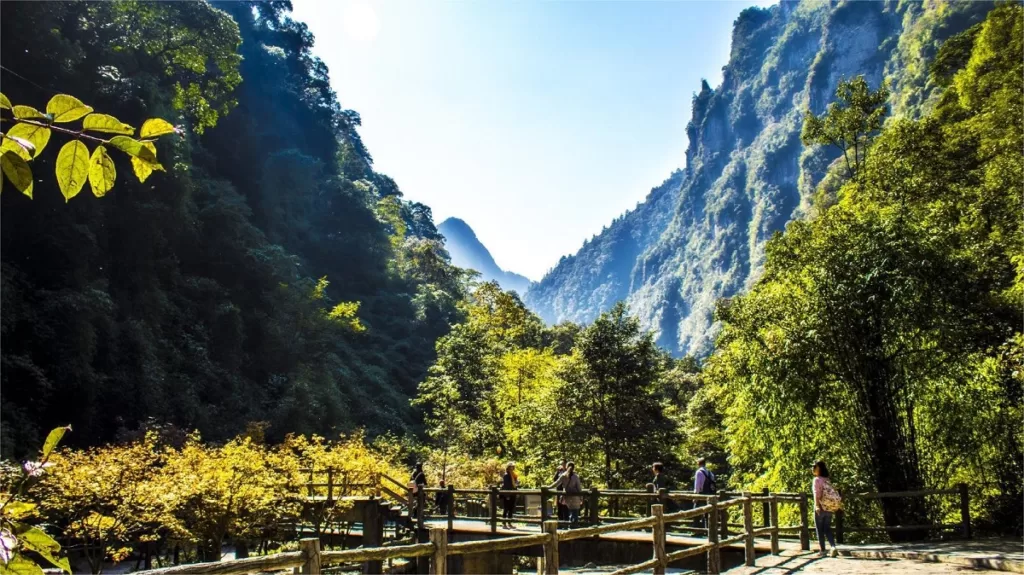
(535, 122)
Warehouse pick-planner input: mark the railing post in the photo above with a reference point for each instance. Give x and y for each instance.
(663, 497)
(310, 548)
(451, 507)
(545, 496)
(551, 548)
(839, 526)
(723, 517)
(657, 510)
(748, 529)
(593, 505)
(421, 507)
(493, 502)
(439, 560)
(805, 525)
(309, 486)
(330, 485)
(714, 553)
(765, 509)
(965, 511)
(773, 514)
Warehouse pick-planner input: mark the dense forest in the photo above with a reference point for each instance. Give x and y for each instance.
(206, 328)
(196, 298)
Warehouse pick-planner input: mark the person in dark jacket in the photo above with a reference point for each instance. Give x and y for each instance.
(662, 481)
(418, 482)
(509, 482)
(442, 500)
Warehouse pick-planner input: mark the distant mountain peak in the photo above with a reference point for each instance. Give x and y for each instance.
(468, 251)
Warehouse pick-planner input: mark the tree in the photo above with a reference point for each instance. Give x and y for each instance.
(849, 122)
(611, 399)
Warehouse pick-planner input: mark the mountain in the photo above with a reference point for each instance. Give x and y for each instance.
(467, 252)
(700, 236)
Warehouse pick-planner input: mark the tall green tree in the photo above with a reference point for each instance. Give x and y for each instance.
(849, 122)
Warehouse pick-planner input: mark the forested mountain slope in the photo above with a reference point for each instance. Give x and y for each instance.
(468, 252)
(747, 173)
(268, 275)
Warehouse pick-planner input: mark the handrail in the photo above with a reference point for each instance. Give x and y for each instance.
(236, 567)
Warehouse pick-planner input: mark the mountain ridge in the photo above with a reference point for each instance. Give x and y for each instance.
(467, 251)
(747, 173)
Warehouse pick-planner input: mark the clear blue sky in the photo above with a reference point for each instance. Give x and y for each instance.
(535, 122)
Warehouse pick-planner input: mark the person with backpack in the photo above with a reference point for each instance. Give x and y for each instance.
(703, 484)
(826, 502)
(573, 487)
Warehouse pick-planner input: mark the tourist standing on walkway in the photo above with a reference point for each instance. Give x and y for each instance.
(570, 482)
(703, 484)
(509, 482)
(662, 481)
(826, 502)
(563, 511)
(441, 499)
(417, 482)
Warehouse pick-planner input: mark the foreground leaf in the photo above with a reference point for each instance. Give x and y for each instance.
(38, 135)
(19, 146)
(54, 437)
(142, 168)
(20, 566)
(101, 172)
(4, 102)
(17, 171)
(106, 123)
(19, 509)
(27, 113)
(155, 127)
(133, 147)
(65, 108)
(72, 170)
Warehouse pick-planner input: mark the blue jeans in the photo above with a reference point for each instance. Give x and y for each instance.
(823, 525)
(574, 517)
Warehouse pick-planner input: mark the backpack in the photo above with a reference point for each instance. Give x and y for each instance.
(830, 499)
(709, 482)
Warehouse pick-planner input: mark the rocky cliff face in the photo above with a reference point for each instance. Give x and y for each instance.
(468, 252)
(701, 235)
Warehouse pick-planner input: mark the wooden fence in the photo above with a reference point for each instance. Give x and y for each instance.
(963, 526)
(311, 559)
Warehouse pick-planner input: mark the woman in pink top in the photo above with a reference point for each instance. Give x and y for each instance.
(822, 518)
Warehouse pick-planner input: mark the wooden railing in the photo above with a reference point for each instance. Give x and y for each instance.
(311, 559)
(964, 525)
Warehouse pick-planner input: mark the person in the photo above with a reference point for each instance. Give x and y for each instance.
(441, 499)
(662, 481)
(703, 484)
(417, 482)
(563, 511)
(822, 489)
(509, 482)
(573, 487)
(703, 480)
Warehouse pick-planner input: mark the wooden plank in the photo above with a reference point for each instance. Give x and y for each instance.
(805, 525)
(773, 514)
(714, 553)
(501, 544)
(636, 568)
(748, 530)
(691, 552)
(310, 549)
(376, 553)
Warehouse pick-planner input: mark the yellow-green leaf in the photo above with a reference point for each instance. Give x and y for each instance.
(38, 135)
(56, 434)
(155, 127)
(142, 168)
(27, 113)
(106, 123)
(19, 509)
(65, 108)
(37, 540)
(19, 146)
(133, 147)
(19, 565)
(101, 172)
(4, 102)
(72, 171)
(17, 171)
